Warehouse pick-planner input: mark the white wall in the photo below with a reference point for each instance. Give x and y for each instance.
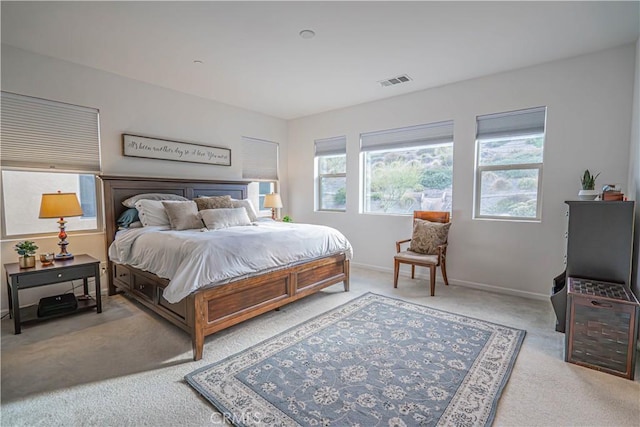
(589, 101)
(129, 106)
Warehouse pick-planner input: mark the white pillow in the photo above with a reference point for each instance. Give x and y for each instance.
(246, 203)
(152, 213)
(131, 201)
(216, 219)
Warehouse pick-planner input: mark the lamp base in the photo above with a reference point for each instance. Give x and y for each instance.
(62, 257)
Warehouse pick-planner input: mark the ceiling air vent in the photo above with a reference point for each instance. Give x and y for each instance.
(395, 80)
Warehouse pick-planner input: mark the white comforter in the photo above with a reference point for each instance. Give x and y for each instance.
(192, 259)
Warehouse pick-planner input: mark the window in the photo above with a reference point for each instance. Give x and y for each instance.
(47, 146)
(22, 191)
(331, 167)
(408, 169)
(260, 159)
(509, 157)
(260, 164)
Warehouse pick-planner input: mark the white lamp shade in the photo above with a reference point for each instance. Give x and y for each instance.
(272, 201)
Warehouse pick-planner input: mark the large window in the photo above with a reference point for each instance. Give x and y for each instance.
(408, 169)
(331, 167)
(22, 192)
(509, 148)
(47, 146)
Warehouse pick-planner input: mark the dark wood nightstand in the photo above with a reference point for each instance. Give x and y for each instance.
(80, 267)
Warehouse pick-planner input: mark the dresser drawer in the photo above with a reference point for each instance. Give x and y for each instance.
(179, 309)
(122, 275)
(143, 287)
(55, 276)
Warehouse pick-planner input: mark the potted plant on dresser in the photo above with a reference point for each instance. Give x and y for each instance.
(27, 251)
(588, 182)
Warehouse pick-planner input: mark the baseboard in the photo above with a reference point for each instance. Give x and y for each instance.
(467, 284)
(500, 290)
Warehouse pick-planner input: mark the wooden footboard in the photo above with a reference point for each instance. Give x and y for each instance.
(219, 307)
(212, 309)
(215, 308)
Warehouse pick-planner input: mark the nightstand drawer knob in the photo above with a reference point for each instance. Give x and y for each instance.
(59, 274)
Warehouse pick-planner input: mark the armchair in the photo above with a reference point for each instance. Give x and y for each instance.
(428, 246)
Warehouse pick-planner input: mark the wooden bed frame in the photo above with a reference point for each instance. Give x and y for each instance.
(211, 309)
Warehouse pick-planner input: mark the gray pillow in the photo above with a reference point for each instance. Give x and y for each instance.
(214, 202)
(215, 219)
(427, 236)
(131, 201)
(182, 215)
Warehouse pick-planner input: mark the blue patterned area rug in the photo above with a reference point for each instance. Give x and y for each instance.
(374, 361)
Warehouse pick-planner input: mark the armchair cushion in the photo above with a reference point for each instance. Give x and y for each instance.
(427, 236)
(413, 257)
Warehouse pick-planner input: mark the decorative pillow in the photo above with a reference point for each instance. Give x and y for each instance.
(152, 213)
(427, 236)
(214, 202)
(131, 201)
(129, 216)
(246, 203)
(182, 215)
(216, 219)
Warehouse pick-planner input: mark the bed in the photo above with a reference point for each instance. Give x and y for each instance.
(212, 308)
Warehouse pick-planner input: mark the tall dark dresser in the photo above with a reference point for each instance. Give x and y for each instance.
(599, 243)
(596, 308)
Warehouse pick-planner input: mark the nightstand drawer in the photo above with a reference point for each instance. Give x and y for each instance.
(55, 276)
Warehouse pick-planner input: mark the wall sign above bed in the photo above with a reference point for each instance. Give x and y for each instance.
(163, 149)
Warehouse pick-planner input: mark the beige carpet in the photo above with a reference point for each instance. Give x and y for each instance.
(125, 366)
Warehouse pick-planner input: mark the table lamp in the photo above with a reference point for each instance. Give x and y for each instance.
(60, 205)
(274, 202)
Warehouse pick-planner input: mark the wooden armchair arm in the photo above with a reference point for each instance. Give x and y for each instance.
(399, 242)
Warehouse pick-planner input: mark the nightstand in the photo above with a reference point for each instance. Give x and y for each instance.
(80, 267)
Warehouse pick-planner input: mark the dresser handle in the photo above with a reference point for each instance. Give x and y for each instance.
(59, 274)
(600, 304)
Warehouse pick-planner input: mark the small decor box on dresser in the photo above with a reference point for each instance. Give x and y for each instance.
(601, 326)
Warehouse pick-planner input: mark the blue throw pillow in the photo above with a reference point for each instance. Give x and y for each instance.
(127, 217)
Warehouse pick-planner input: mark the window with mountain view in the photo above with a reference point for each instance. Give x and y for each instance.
(408, 169)
(331, 167)
(509, 148)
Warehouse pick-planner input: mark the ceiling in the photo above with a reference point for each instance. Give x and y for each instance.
(253, 57)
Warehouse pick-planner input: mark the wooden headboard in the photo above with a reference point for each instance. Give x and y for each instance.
(119, 188)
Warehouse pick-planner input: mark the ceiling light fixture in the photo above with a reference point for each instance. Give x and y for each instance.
(307, 34)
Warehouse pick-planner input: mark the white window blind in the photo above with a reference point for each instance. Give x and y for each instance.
(407, 137)
(260, 159)
(42, 134)
(513, 123)
(331, 146)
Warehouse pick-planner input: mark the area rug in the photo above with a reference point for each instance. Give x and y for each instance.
(374, 361)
